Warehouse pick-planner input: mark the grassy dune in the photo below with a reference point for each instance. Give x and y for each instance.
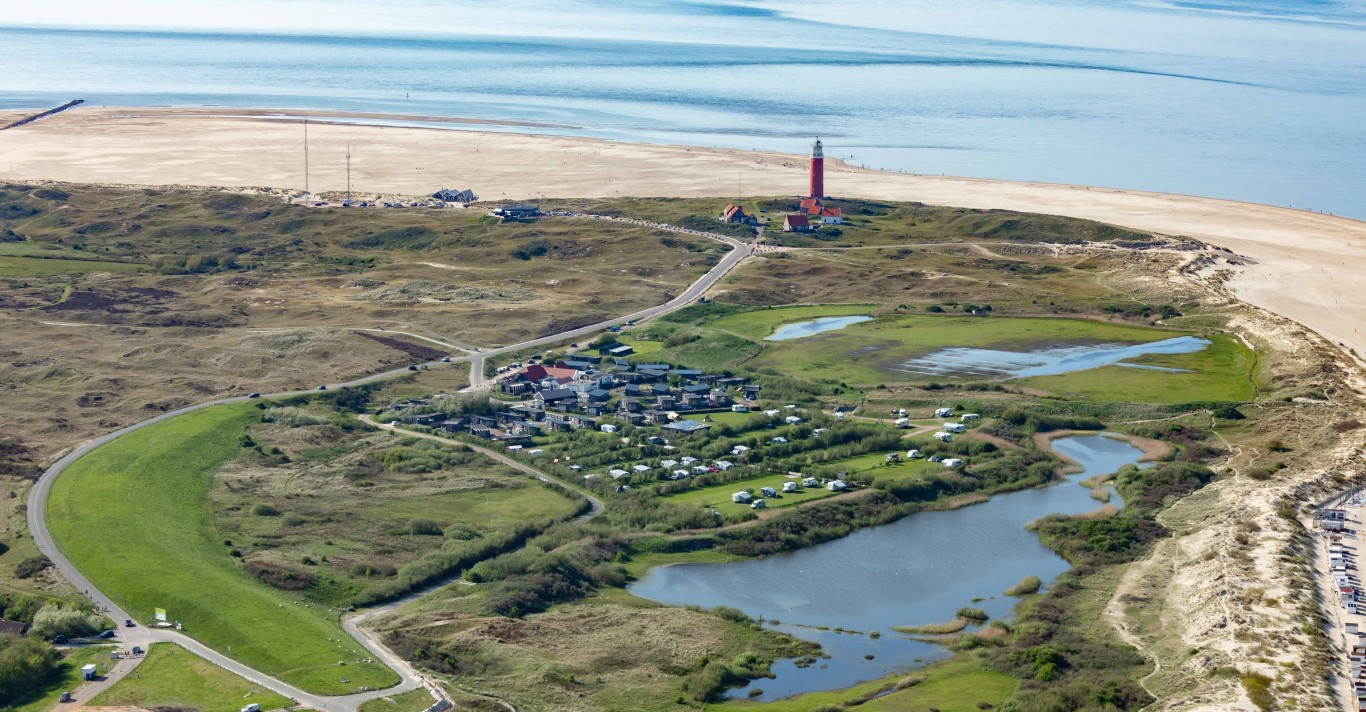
(173, 677)
(134, 516)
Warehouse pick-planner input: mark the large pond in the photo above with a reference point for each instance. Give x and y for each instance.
(815, 326)
(987, 363)
(915, 571)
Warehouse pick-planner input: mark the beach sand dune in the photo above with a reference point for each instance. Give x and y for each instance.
(1302, 265)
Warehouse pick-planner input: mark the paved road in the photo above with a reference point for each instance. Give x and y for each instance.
(143, 636)
(739, 251)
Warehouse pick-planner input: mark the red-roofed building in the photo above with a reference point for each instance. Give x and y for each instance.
(796, 223)
(831, 216)
(537, 373)
(811, 206)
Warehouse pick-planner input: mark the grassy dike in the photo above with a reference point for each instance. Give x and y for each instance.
(134, 516)
(174, 677)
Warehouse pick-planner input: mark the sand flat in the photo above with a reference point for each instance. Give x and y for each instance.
(1305, 266)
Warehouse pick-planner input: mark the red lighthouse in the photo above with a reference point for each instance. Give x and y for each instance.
(817, 170)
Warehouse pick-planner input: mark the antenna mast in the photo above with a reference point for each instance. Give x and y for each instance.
(306, 191)
(348, 170)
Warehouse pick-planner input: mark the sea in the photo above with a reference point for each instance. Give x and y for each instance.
(1254, 100)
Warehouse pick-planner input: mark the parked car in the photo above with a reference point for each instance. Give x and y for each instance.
(445, 359)
(128, 623)
(107, 634)
(322, 388)
(412, 368)
(253, 395)
(59, 640)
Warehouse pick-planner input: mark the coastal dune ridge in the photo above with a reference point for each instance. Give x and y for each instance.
(1299, 264)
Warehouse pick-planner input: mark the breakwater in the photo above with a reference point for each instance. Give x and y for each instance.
(44, 115)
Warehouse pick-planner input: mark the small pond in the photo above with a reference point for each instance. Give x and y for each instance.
(987, 363)
(815, 326)
(915, 571)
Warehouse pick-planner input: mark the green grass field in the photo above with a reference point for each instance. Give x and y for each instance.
(718, 496)
(1222, 372)
(69, 678)
(42, 266)
(134, 516)
(954, 685)
(477, 507)
(876, 462)
(171, 676)
(411, 701)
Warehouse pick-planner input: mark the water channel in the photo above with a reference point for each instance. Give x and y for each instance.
(915, 571)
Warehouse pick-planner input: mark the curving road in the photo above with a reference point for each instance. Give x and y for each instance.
(411, 679)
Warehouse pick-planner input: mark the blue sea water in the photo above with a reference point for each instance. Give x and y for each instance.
(1259, 100)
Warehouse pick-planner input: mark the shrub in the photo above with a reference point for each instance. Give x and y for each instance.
(1026, 586)
(734, 615)
(1258, 687)
(424, 527)
(362, 568)
(280, 577)
(53, 620)
(265, 510)
(32, 566)
(972, 614)
(1229, 412)
(293, 520)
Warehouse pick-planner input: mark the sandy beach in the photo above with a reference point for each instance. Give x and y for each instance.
(1302, 265)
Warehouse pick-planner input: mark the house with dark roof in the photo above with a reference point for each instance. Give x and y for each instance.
(735, 215)
(12, 627)
(686, 427)
(447, 195)
(555, 395)
(517, 212)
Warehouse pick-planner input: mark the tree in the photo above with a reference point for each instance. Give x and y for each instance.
(53, 620)
(26, 664)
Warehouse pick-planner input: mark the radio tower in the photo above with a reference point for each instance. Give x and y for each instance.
(306, 191)
(817, 186)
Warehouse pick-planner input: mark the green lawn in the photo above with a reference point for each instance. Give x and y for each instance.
(736, 418)
(876, 462)
(42, 267)
(135, 517)
(718, 496)
(411, 701)
(954, 685)
(69, 678)
(477, 507)
(760, 324)
(1222, 372)
(171, 676)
